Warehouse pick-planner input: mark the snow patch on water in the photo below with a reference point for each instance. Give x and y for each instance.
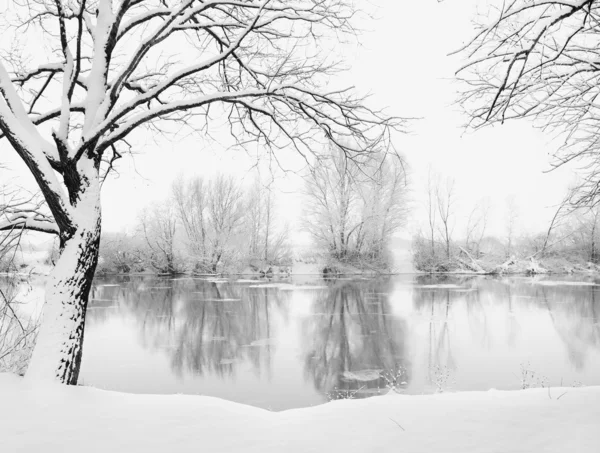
(563, 283)
(227, 361)
(288, 286)
(263, 342)
(440, 286)
(219, 300)
(362, 375)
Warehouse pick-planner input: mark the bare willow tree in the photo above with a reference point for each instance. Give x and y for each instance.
(385, 203)
(191, 203)
(267, 241)
(538, 59)
(81, 76)
(353, 208)
(225, 217)
(331, 197)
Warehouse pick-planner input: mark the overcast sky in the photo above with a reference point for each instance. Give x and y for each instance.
(403, 63)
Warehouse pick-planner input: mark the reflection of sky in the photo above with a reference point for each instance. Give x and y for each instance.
(116, 360)
(480, 337)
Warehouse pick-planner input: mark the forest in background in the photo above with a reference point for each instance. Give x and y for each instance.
(568, 244)
(351, 208)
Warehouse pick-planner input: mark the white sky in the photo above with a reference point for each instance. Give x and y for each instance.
(403, 63)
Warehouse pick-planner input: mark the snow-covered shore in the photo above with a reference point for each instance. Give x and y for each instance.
(49, 418)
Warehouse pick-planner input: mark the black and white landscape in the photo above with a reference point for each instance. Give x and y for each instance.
(320, 225)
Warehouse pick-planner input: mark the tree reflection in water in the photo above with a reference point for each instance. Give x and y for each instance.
(206, 327)
(343, 340)
(575, 316)
(356, 348)
(572, 309)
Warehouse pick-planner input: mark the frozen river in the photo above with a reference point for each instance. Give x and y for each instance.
(299, 343)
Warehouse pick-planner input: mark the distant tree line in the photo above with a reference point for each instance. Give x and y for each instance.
(204, 226)
(571, 240)
(352, 207)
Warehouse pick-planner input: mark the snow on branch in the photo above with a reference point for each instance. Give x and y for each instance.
(28, 222)
(539, 59)
(265, 65)
(18, 214)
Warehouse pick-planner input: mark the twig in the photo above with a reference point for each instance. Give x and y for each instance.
(7, 303)
(397, 423)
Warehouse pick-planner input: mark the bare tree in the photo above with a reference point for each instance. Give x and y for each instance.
(445, 199)
(225, 216)
(589, 221)
(331, 198)
(116, 66)
(191, 202)
(353, 208)
(220, 218)
(20, 211)
(432, 182)
(268, 222)
(17, 331)
(121, 252)
(594, 217)
(512, 216)
(384, 197)
(259, 219)
(268, 240)
(477, 226)
(159, 226)
(538, 59)
(562, 210)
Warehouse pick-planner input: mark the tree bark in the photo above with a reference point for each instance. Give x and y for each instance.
(58, 351)
(59, 346)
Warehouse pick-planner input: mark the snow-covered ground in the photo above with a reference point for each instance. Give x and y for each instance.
(36, 417)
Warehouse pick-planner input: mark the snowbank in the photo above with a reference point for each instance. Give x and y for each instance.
(51, 418)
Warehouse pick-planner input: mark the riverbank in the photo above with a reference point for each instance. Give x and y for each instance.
(464, 263)
(48, 417)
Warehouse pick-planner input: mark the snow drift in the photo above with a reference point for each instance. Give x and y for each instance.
(50, 418)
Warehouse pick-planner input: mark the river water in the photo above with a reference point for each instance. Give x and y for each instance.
(302, 342)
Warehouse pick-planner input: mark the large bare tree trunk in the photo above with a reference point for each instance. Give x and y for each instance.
(59, 346)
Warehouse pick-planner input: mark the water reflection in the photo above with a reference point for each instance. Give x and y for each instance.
(574, 315)
(531, 310)
(280, 345)
(357, 348)
(204, 327)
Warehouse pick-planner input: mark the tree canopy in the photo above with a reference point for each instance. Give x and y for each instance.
(538, 59)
